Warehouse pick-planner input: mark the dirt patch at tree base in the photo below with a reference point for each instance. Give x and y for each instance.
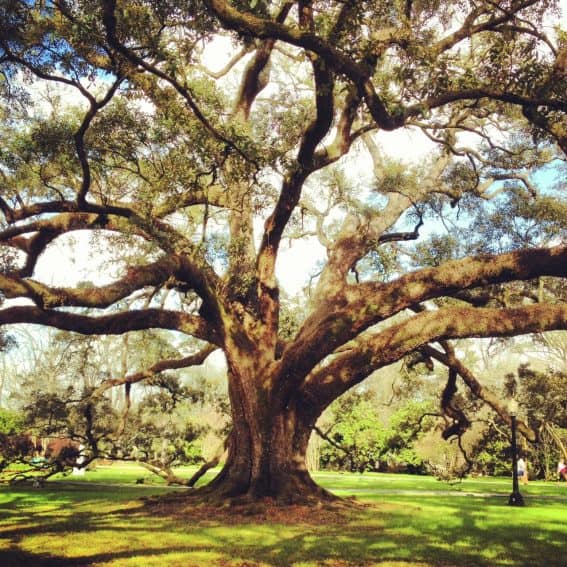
(263, 510)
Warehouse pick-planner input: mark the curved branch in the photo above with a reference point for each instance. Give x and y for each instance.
(257, 71)
(324, 105)
(402, 236)
(195, 268)
(38, 72)
(457, 275)
(275, 224)
(449, 359)
(250, 24)
(480, 93)
(220, 453)
(459, 421)
(293, 183)
(494, 23)
(59, 224)
(554, 127)
(344, 135)
(115, 324)
(110, 24)
(214, 195)
(364, 305)
(230, 65)
(79, 138)
(27, 211)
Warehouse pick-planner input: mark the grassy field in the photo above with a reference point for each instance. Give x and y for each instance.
(104, 519)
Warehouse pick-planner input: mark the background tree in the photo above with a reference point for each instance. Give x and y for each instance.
(357, 438)
(542, 397)
(189, 180)
(160, 422)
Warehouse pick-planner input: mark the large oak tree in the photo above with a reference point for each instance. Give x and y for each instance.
(190, 178)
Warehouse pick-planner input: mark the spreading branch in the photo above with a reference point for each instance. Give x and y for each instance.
(383, 348)
(115, 324)
(367, 304)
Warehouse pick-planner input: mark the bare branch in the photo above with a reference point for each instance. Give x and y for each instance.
(195, 359)
(230, 65)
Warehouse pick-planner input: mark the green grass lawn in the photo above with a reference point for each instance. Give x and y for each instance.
(408, 521)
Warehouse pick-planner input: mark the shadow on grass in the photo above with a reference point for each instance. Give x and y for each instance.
(381, 534)
(15, 557)
(75, 530)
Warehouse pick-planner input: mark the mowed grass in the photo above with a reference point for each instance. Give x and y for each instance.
(406, 521)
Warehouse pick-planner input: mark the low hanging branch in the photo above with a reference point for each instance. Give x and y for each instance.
(449, 359)
(219, 455)
(330, 440)
(164, 470)
(460, 422)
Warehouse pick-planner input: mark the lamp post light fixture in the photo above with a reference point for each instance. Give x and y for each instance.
(516, 498)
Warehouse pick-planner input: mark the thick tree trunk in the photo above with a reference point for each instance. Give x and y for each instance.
(267, 459)
(268, 444)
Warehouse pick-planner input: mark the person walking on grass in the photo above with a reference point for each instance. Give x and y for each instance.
(562, 470)
(522, 471)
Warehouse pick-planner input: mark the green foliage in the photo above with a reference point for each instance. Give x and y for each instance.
(542, 396)
(292, 314)
(520, 221)
(150, 438)
(158, 423)
(11, 422)
(130, 135)
(396, 176)
(491, 455)
(359, 439)
(383, 263)
(438, 249)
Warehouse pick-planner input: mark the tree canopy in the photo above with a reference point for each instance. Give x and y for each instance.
(190, 174)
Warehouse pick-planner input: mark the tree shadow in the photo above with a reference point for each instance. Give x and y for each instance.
(15, 557)
(405, 531)
(365, 541)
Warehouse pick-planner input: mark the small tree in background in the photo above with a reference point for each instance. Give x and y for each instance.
(358, 438)
(156, 422)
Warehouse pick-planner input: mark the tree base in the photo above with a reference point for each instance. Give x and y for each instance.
(198, 506)
(224, 500)
(292, 492)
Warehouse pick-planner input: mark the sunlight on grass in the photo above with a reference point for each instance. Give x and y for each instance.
(81, 523)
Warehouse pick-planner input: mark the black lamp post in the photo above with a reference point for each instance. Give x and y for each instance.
(516, 498)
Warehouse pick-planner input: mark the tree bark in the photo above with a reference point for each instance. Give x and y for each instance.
(267, 466)
(266, 451)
